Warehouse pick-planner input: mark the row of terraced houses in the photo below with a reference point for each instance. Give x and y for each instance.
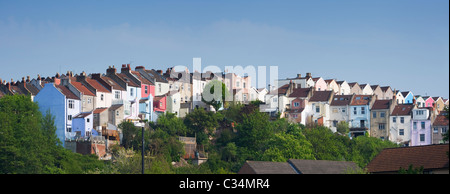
(94, 105)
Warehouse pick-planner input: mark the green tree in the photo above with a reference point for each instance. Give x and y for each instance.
(213, 98)
(203, 124)
(170, 123)
(343, 128)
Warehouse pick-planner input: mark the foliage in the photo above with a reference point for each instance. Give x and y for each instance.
(411, 170)
(343, 128)
(29, 144)
(213, 98)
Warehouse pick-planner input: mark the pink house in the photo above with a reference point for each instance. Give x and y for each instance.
(429, 101)
(320, 84)
(159, 103)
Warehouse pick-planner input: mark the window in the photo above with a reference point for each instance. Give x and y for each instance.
(88, 120)
(295, 115)
(117, 94)
(243, 84)
(69, 129)
(343, 110)
(275, 99)
(402, 119)
(317, 109)
(102, 97)
(374, 114)
(363, 110)
(422, 125)
(160, 104)
(117, 113)
(394, 119)
(382, 114)
(354, 110)
(159, 87)
(401, 132)
(237, 84)
(381, 126)
(435, 130)
(414, 125)
(71, 104)
(69, 117)
(131, 91)
(444, 130)
(89, 100)
(335, 110)
(146, 89)
(422, 137)
(296, 104)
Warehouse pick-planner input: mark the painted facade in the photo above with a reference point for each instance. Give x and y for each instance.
(332, 85)
(320, 84)
(344, 88)
(83, 125)
(421, 127)
(408, 97)
(429, 101)
(380, 118)
(420, 102)
(400, 124)
(366, 89)
(340, 110)
(387, 93)
(360, 113)
(355, 88)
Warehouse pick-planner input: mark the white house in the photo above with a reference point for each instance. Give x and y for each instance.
(340, 110)
(400, 124)
(344, 88)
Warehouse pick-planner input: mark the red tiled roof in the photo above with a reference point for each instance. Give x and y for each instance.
(360, 100)
(80, 87)
(99, 87)
(441, 120)
(392, 159)
(66, 92)
(99, 110)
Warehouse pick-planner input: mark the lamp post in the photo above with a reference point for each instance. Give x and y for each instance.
(143, 148)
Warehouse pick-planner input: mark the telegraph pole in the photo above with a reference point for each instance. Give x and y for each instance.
(143, 149)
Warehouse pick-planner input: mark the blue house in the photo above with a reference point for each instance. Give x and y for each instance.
(409, 97)
(360, 114)
(83, 125)
(63, 104)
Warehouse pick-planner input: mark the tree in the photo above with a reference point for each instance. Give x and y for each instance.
(170, 123)
(202, 124)
(342, 127)
(215, 98)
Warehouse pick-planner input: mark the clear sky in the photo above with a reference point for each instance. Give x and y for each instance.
(401, 43)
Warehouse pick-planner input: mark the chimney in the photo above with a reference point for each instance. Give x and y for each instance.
(139, 67)
(39, 77)
(111, 70)
(125, 68)
(28, 78)
(57, 75)
(308, 74)
(160, 72)
(299, 75)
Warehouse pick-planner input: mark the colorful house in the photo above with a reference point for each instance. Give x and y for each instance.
(63, 104)
(439, 103)
(408, 97)
(320, 84)
(399, 97)
(429, 101)
(332, 85)
(421, 126)
(360, 114)
(83, 125)
(377, 92)
(400, 124)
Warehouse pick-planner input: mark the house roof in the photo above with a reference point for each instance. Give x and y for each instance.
(360, 100)
(66, 92)
(323, 166)
(115, 107)
(128, 80)
(297, 110)
(436, 98)
(112, 83)
(352, 84)
(281, 90)
(99, 110)
(99, 87)
(83, 115)
(34, 91)
(392, 159)
(80, 87)
(341, 100)
(441, 120)
(374, 87)
(321, 96)
(381, 104)
(300, 92)
(328, 81)
(402, 109)
(142, 79)
(385, 88)
(263, 167)
(405, 93)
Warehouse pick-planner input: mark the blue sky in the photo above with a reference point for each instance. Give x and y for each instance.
(401, 43)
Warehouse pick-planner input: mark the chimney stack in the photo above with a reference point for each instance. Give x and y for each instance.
(125, 68)
(28, 78)
(308, 74)
(299, 75)
(111, 70)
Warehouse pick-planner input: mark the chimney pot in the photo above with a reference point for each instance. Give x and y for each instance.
(299, 75)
